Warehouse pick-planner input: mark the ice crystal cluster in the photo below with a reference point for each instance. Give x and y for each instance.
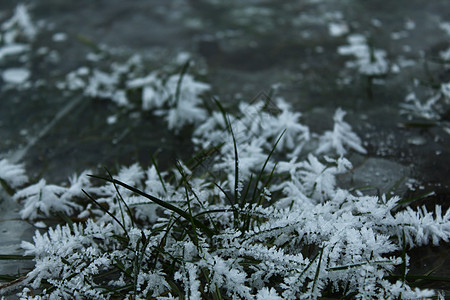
(369, 61)
(429, 106)
(15, 35)
(432, 104)
(174, 96)
(256, 214)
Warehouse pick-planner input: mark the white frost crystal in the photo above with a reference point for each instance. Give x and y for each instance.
(369, 61)
(13, 174)
(15, 75)
(341, 137)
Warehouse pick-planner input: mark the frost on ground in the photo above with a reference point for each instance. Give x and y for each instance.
(256, 214)
(256, 217)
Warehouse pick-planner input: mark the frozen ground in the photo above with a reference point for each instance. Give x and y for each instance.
(385, 63)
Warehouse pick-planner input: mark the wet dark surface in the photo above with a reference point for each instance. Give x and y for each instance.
(243, 49)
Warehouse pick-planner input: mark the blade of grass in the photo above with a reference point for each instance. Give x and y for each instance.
(121, 199)
(88, 42)
(246, 224)
(67, 220)
(180, 80)
(6, 187)
(236, 166)
(12, 280)
(15, 257)
(267, 182)
(346, 267)
(159, 173)
(258, 179)
(160, 202)
(236, 157)
(106, 211)
(119, 265)
(188, 187)
(241, 204)
(316, 276)
(410, 200)
(404, 269)
(188, 201)
(419, 277)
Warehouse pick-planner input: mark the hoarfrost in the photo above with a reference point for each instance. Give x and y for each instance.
(12, 174)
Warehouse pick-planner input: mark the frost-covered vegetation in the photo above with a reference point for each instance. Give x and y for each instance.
(257, 213)
(253, 215)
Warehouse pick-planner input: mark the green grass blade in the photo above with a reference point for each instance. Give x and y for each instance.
(241, 204)
(123, 200)
(180, 80)
(6, 187)
(316, 276)
(66, 219)
(404, 268)
(236, 166)
(15, 257)
(88, 42)
(258, 179)
(410, 200)
(188, 201)
(159, 173)
(419, 277)
(160, 202)
(106, 211)
(268, 182)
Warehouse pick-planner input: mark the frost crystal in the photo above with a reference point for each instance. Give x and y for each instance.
(12, 174)
(369, 61)
(342, 135)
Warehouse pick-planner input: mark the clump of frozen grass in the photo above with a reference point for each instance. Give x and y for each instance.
(429, 106)
(428, 109)
(341, 136)
(16, 35)
(42, 199)
(369, 61)
(174, 96)
(432, 104)
(12, 175)
(253, 217)
(18, 26)
(109, 84)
